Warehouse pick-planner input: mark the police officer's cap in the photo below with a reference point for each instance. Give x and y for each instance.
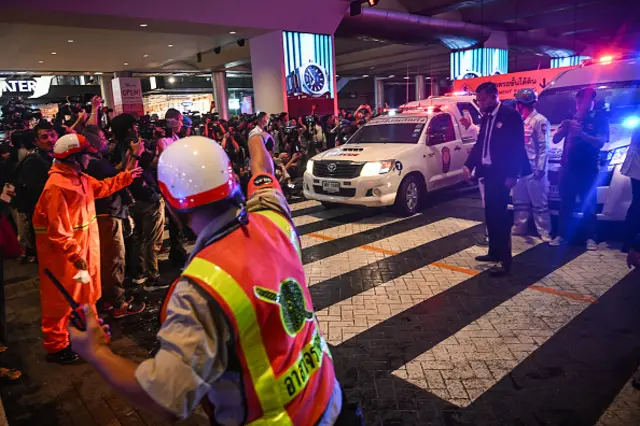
(586, 93)
(526, 96)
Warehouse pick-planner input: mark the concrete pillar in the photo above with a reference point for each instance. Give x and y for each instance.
(267, 69)
(421, 90)
(219, 82)
(106, 91)
(379, 92)
(435, 87)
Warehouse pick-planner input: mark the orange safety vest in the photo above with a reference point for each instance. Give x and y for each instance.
(256, 276)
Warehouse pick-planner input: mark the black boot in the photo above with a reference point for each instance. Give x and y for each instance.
(63, 357)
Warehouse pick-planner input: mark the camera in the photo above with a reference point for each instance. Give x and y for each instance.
(309, 121)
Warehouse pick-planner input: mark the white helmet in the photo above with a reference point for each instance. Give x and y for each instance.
(195, 171)
(70, 144)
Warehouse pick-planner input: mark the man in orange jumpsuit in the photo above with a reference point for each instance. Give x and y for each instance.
(67, 238)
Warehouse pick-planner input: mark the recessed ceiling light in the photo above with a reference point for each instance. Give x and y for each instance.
(145, 56)
(392, 76)
(172, 80)
(70, 41)
(41, 62)
(406, 77)
(126, 63)
(232, 32)
(53, 53)
(143, 25)
(365, 75)
(98, 73)
(170, 45)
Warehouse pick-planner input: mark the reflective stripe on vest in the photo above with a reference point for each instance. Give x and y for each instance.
(43, 229)
(274, 393)
(286, 227)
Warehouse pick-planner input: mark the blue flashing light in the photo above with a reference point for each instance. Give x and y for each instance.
(631, 122)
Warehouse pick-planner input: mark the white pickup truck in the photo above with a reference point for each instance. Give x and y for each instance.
(397, 158)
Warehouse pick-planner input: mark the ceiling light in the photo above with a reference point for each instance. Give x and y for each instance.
(126, 63)
(143, 25)
(53, 53)
(406, 77)
(170, 45)
(70, 41)
(392, 76)
(145, 56)
(365, 75)
(41, 62)
(172, 80)
(98, 73)
(232, 32)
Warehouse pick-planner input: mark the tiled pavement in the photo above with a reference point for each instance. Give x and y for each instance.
(420, 334)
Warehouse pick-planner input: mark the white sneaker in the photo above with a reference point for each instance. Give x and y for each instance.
(592, 245)
(557, 241)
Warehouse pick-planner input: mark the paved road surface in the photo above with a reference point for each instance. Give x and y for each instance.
(420, 335)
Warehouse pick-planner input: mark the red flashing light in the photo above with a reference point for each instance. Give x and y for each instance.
(607, 59)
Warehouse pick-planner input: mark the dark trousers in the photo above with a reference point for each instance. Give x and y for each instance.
(177, 252)
(497, 216)
(112, 259)
(583, 185)
(633, 214)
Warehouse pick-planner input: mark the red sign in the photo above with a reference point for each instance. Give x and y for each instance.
(509, 84)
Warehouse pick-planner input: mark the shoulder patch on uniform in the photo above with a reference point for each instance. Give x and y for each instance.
(262, 180)
(292, 303)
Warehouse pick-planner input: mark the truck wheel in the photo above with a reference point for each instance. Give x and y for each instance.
(409, 196)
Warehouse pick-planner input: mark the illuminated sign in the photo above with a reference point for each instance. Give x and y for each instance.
(509, 84)
(308, 62)
(480, 62)
(31, 88)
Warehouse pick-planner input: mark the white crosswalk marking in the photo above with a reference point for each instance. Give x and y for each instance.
(304, 205)
(350, 317)
(348, 229)
(350, 260)
(320, 216)
(468, 363)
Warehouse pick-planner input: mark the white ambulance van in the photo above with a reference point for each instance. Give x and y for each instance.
(398, 158)
(617, 84)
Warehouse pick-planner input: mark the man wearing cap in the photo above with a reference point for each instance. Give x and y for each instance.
(67, 238)
(584, 136)
(531, 192)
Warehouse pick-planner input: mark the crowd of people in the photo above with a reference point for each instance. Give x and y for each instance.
(90, 201)
(131, 222)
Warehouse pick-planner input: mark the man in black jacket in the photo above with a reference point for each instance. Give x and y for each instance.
(29, 178)
(500, 158)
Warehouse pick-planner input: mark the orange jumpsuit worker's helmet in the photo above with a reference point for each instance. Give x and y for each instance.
(195, 171)
(71, 144)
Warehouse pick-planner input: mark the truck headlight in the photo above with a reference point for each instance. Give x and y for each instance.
(310, 166)
(617, 156)
(375, 168)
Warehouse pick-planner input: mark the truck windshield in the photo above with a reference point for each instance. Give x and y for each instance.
(389, 132)
(620, 99)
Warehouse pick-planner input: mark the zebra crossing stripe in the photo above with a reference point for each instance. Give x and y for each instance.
(348, 229)
(319, 216)
(351, 317)
(462, 367)
(304, 205)
(353, 259)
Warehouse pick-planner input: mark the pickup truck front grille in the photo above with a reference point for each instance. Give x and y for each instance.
(337, 169)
